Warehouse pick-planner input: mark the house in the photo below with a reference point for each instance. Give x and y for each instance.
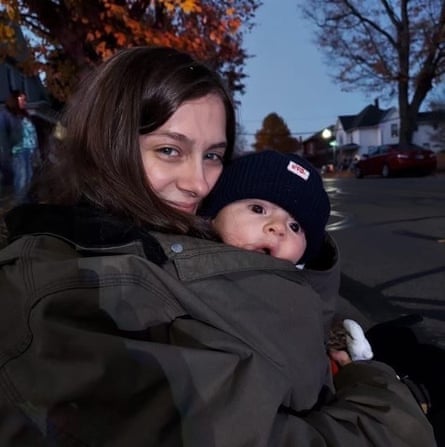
(11, 74)
(366, 129)
(429, 130)
(318, 148)
(356, 134)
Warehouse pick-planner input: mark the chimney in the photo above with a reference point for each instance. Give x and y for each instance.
(376, 102)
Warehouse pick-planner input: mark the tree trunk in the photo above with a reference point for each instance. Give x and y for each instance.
(405, 114)
(403, 48)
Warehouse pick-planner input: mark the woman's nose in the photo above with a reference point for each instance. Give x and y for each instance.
(193, 179)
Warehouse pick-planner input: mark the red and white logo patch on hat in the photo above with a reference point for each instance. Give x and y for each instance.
(297, 169)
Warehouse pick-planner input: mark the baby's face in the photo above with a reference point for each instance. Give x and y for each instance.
(261, 226)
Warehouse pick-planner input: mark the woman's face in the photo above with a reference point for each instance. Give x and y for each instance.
(184, 157)
(21, 101)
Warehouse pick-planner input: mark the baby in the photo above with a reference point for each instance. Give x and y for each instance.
(275, 204)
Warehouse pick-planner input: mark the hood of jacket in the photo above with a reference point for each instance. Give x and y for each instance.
(83, 225)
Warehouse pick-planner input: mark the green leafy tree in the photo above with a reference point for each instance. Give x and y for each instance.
(275, 135)
(67, 37)
(394, 47)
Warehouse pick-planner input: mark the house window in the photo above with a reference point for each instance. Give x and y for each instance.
(394, 130)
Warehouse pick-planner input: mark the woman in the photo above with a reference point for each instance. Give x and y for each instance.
(122, 327)
(18, 143)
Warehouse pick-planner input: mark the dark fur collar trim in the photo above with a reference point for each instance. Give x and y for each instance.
(84, 225)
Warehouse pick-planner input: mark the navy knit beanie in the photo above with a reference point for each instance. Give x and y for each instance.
(286, 180)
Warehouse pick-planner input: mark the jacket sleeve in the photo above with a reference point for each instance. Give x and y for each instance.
(372, 407)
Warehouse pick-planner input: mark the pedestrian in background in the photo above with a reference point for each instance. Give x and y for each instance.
(18, 143)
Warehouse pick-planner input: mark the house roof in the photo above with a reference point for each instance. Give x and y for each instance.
(347, 121)
(435, 115)
(11, 78)
(370, 116)
(319, 135)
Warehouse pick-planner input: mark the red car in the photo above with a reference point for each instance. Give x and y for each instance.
(393, 159)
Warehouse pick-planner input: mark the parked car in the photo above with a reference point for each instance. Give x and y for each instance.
(327, 169)
(393, 159)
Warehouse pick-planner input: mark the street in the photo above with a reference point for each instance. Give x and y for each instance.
(391, 236)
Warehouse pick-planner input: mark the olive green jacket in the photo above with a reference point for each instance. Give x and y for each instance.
(115, 336)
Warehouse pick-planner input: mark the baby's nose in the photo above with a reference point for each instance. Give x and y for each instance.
(277, 228)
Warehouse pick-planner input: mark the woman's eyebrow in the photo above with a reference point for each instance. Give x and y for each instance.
(173, 135)
(222, 145)
(184, 139)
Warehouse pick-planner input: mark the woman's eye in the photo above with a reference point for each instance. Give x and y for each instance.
(213, 156)
(169, 151)
(258, 209)
(295, 227)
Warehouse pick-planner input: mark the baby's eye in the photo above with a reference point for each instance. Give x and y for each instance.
(295, 227)
(257, 209)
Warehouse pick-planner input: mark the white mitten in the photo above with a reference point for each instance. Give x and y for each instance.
(358, 346)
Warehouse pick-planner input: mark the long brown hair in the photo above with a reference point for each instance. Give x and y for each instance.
(134, 92)
(12, 103)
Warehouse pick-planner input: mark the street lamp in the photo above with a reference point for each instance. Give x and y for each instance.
(327, 134)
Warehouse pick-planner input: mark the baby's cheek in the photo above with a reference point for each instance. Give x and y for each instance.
(233, 238)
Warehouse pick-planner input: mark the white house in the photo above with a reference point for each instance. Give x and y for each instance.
(356, 134)
(426, 134)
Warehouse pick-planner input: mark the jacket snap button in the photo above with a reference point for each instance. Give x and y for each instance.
(177, 248)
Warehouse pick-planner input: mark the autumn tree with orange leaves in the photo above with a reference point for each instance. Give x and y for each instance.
(67, 37)
(383, 46)
(275, 134)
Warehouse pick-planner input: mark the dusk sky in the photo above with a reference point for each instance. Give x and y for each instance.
(288, 75)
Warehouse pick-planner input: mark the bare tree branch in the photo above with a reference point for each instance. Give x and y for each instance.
(393, 46)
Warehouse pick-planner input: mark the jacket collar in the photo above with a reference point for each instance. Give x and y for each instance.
(83, 225)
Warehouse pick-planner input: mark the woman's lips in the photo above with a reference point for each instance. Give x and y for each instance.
(189, 208)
